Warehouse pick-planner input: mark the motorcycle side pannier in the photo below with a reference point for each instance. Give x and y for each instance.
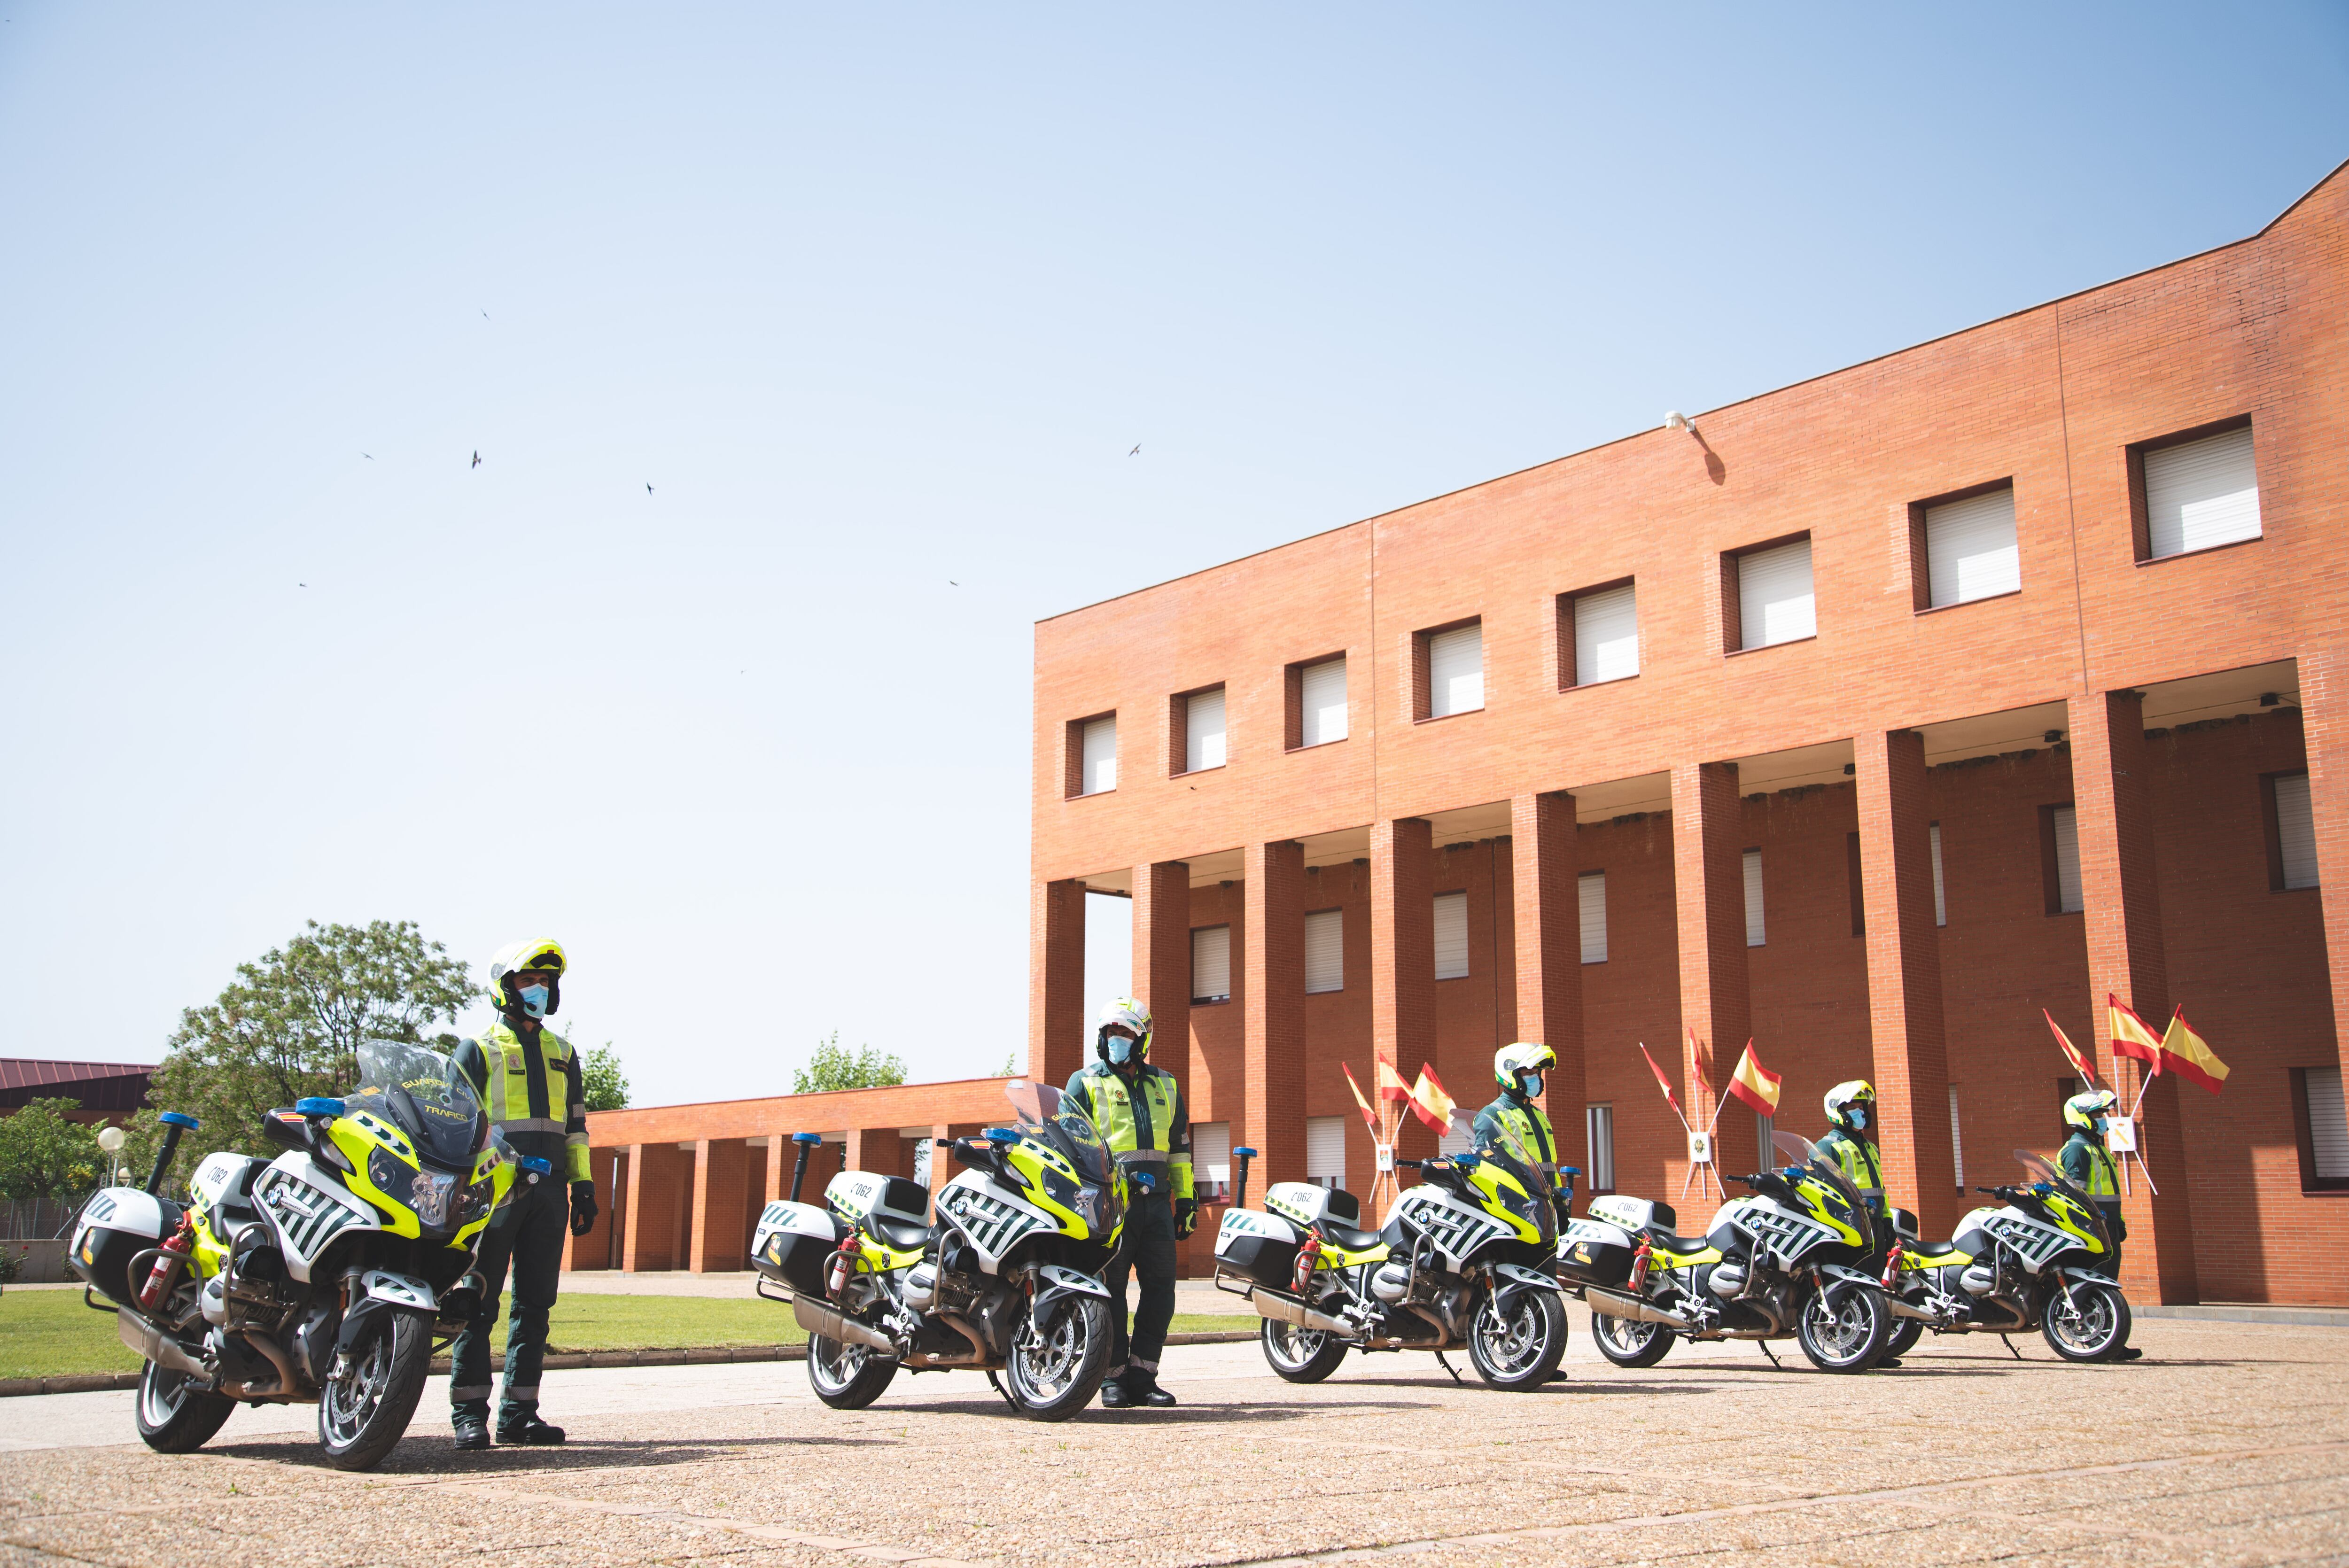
(116, 1225)
(1258, 1247)
(793, 1242)
(1591, 1253)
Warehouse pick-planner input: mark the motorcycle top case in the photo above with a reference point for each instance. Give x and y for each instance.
(116, 1225)
(793, 1242)
(1308, 1202)
(853, 1194)
(1258, 1247)
(1633, 1215)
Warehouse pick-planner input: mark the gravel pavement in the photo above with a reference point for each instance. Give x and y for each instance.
(2228, 1444)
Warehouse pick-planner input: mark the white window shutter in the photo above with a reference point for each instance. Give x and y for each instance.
(1940, 903)
(1324, 700)
(2201, 493)
(2296, 830)
(1957, 1141)
(1754, 931)
(1211, 1157)
(1451, 935)
(1606, 635)
(2067, 860)
(1455, 671)
(1598, 1123)
(1325, 1150)
(1457, 1139)
(1100, 761)
(1592, 888)
(1202, 730)
(2328, 1123)
(1969, 549)
(1211, 963)
(1325, 951)
(1775, 602)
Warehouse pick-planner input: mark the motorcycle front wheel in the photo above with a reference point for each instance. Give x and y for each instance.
(2096, 1330)
(1300, 1354)
(1055, 1371)
(174, 1418)
(847, 1376)
(1519, 1345)
(363, 1413)
(1844, 1333)
(1629, 1344)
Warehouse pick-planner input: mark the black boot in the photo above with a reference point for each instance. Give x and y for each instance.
(472, 1427)
(2127, 1353)
(528, 1431)
(1142, 1389)
(1114, 1395)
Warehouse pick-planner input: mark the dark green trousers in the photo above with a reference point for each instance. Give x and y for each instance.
(528, 1236)
(1149, 1255)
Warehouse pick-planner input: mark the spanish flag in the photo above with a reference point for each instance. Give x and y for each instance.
(1664, 1083)
(1428, 1101)
(1370, 1117)
(1754, 1084)
(1390, 1085)
(2131, 1035)
(2190, 1055)
(2072, 1053)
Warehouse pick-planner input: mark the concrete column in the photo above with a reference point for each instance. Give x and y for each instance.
(1904, 977)
(1162, 961)
(1403, 959)
(1709, 893)
(1056, 980)
(593, 1250)
(1272, 1001)
(2113, 810)
(658, 1180)
(721, 1194)
(1548, 908)
(2323, 700)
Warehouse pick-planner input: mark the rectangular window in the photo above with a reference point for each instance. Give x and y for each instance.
(1755, 933)
(2060, 858)
(2292, 854)
(1321, 703)
(1325, 1150)
(1211, 1161)
(1599, 630)
(1211, 963)
(2198, 493)
(1203, 730)
(2323, 1124)
(1325, 951)
(1599, 1123)
(1956, 1142)
(1940, 904)
(1455, 670)
(1968, 550)
(1855, 886)
(1451, 935)
(1592, 886)
(1772, 602)
(1097, 756)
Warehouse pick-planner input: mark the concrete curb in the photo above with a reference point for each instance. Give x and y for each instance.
(2295, 1316)
(556, 1361)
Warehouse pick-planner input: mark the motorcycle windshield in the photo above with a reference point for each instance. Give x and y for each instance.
(1535, 1175)
(1802, 1151)
(421, 1092)
(2039, 1169)
(1045, 1115)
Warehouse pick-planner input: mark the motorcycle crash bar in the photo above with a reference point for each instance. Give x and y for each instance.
(1282, 1309)
(818, 1318)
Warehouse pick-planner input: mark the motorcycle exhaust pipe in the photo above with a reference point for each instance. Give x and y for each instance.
(1903, 1309)
(151, 1342)
(1282, 1309)
(818, 1318)
(1614, 1305)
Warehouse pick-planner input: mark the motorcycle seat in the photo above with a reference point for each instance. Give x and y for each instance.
(1665, 1241)
(902, 1234)
(1938, 1250)
(1345, 1236)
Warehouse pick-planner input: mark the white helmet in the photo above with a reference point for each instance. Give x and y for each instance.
(1123, 1012)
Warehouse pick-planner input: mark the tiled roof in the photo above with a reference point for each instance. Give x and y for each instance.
(99, 1086)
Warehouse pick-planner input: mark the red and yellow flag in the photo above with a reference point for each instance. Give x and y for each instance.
(1390, 1085)
(2131, 1035)
(1370, 1117)
(1696, 1066)
(2080, 1063)
(2190, 1055)
(1754, 1084)
(1428, 1101)
(1663, 1083)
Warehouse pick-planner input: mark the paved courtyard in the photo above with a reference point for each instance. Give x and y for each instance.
(2228, 1444)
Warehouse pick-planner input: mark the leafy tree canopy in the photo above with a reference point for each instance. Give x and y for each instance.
(600, 1075)
(290, 1025)
(835, 1067)
(42, 1155)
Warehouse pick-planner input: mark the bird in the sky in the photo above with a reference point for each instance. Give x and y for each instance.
(952, 584)
(485, 316)
(477, 459)
(648, 489)
(301, 585)
(1137, 450)
(368, 455)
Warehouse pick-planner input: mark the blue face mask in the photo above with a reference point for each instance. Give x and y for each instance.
(534, 1001)
(1121, 1049)
(1529, 1085)
(1859, 1114)
(2101, 1123)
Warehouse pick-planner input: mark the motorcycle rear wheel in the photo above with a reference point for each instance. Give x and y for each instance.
(847, 1376)
(1847, 1336)
(2097, 1335)
(1521, 1347)
(1628, 1344)
(1906, 1332)
(1300, 1354)
(1055, 1372)
(172, 1417)
(363, 1414)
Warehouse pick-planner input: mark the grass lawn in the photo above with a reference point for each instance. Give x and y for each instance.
(50, 1333)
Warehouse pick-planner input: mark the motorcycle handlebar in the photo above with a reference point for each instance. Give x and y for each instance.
(1414, 1164)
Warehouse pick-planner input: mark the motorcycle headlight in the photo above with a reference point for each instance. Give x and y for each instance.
(475, 1201)
(433, 1196)
(390, 1175)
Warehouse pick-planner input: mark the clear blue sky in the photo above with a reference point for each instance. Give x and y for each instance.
(877, 299)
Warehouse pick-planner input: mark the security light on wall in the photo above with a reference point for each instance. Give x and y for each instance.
(1676, 420)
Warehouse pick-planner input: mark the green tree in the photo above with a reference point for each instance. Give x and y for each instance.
(44, 1155)
(835, 1067)
(602, 1079)
(290, 1025)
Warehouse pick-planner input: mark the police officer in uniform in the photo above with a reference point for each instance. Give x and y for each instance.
(2087, 1164)
(1138, 1111)
(1851, 1112)
(1518, 1069)
(528, 1076)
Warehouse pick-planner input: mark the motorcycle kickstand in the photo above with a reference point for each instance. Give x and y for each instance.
(999, 1389)
(1440, 1361)
(1770, 1353)
(2011, 1350)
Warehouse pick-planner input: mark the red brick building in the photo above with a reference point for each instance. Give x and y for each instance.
(1866, 719)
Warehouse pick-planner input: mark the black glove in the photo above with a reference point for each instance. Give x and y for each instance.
(582, 1207)
(1187, 1215)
